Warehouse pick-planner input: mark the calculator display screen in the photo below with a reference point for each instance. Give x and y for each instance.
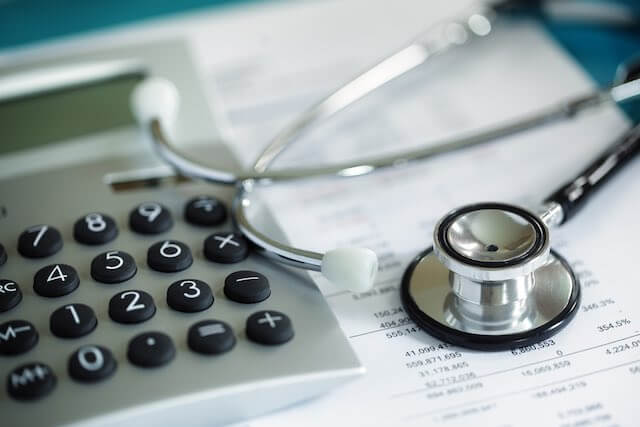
(64, 114)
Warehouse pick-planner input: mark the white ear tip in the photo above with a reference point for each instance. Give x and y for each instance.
(155, 97)
(354, 269)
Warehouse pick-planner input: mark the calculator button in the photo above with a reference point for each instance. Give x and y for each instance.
(151, 349)
(55, 280)
(72, 321)
(95, 229)
(113, 267)
(269, 327)
(31, 381)
(205, 210)
(246, 287)
(150, 218)
(10, 294)
(17, 336)
(131, 307)
(169, 256)
(91, 363)
(189, 296)
(3, 254)
(226, 248)
(39, 241)
(211, 337)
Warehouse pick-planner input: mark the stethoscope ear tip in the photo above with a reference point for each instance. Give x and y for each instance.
(351, 269)
(155, 98)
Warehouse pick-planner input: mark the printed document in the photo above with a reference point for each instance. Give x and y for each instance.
(589, 373)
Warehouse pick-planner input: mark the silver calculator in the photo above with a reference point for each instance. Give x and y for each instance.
(126, 296)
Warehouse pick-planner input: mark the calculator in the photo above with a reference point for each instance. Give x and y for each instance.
(126, 295)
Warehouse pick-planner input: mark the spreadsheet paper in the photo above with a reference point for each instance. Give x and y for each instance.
(589, 373)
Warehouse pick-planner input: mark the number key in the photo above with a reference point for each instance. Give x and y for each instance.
(72, 321)
(113, 267)
(39, 241)
(169, 256)
(91, 363)
(95, 229)
(131, 307)
(150, 218)
(189, 296)
(55, 280)
(205, 210)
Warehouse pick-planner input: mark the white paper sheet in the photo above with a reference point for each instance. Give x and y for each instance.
(589, 374)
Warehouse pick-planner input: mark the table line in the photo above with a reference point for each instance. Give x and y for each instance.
(405, 393)
(512, 393)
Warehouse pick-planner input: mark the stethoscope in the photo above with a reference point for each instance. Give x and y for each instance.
(490, 281)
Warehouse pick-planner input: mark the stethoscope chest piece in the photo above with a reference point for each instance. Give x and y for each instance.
(491, 281)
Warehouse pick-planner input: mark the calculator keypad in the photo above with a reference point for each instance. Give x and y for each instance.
(39, 241)
(92, 362)
(55, 280)
(95, 229)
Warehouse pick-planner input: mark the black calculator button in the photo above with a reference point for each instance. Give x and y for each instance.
(39, 241)
(95, 229)
(10, 294)
(169, 256)
(72, 321)
(150, 218)
(269, 327)
(31, 381)
(91, 363)
(17, 336)
(189, 296)
(55, 280)
(211, 337)
(131, 307)
(3, 254)
(246, 287)
(205, 210)
(151, 349)
(226, 248)
(113, 267)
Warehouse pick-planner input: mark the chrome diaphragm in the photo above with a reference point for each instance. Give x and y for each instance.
(490, 281)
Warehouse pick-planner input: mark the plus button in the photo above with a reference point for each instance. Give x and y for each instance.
(271, 320)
